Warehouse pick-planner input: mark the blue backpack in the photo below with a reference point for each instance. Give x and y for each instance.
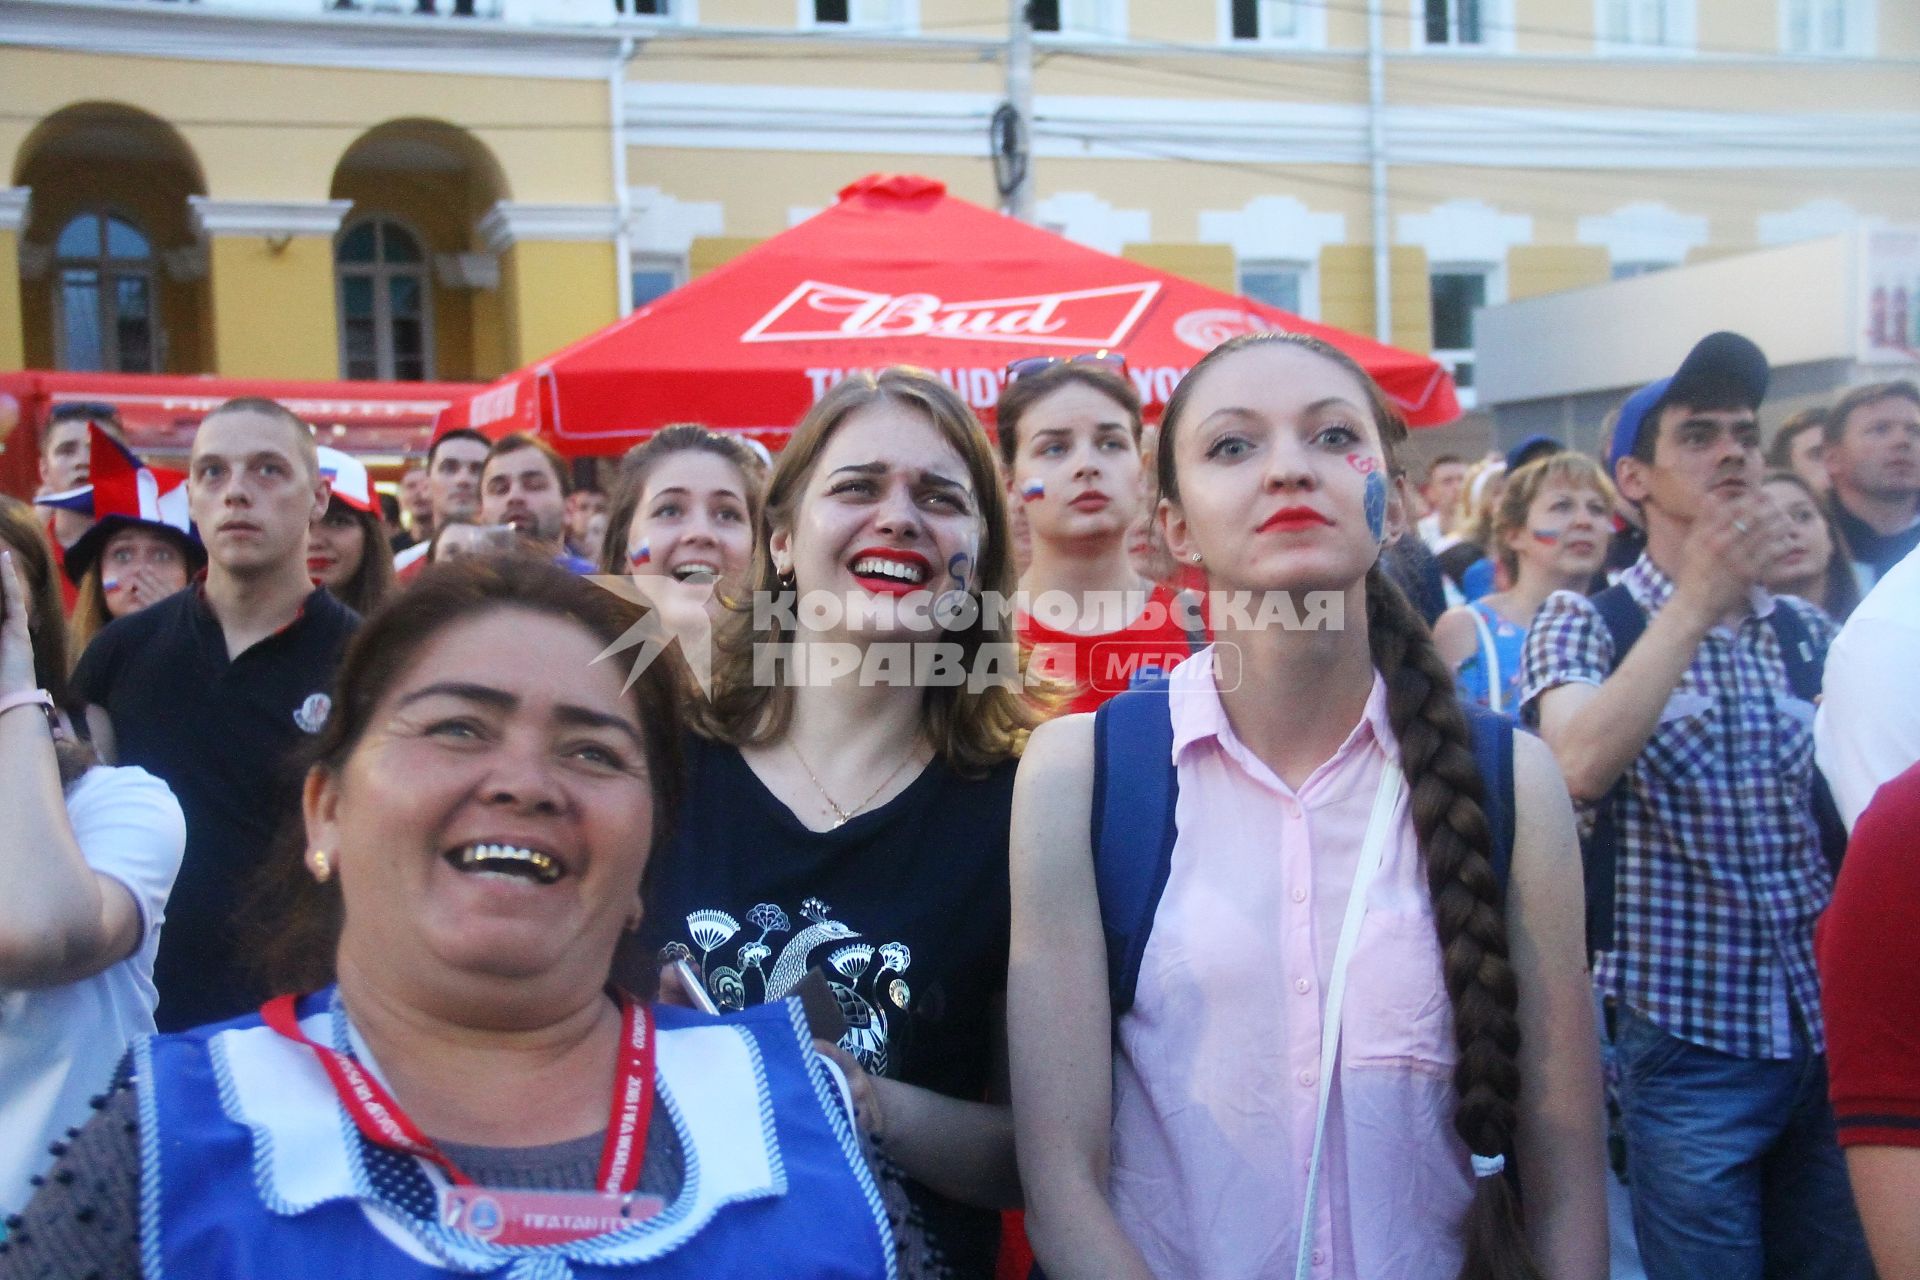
(1135, 786)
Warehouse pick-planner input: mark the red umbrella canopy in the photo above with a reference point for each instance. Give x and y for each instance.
(898, 272)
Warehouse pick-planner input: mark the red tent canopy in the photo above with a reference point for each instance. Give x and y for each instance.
(898, 272)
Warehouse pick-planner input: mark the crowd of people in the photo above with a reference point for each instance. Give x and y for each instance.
(719, 872)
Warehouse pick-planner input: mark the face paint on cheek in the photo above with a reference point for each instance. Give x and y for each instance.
(1376, 500)
(642, 554)
(1365, 463)
(1033, 490)
(951, 609)
(1546, 537)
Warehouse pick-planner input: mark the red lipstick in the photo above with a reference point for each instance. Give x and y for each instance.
(1293, 519)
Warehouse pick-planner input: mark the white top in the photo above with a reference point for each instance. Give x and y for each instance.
(59, 1045)
(1867, 730)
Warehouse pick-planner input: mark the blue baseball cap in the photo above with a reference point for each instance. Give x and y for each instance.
(1717, 362)
(1532, 449)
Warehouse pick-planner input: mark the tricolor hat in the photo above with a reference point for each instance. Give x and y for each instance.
(349, 480)
(125, 491)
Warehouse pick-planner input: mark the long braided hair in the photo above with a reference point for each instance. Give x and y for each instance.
(1456, 845)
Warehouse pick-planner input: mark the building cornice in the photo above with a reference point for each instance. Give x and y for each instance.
(272, 218)
(1248, 131)
(393, 42)
(509, 223)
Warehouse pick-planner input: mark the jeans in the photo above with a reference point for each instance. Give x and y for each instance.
(1733, 1166)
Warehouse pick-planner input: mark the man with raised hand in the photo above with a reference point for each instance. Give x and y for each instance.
(214, 688)
(1679, 685)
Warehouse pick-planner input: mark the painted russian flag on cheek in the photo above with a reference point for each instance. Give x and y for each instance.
(641, 554)
(1033, 490)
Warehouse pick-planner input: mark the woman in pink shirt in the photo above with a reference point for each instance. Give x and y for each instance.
(1331, 851)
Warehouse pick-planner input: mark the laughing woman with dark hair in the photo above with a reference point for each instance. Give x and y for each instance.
(1337, 1043)
(465, 1093)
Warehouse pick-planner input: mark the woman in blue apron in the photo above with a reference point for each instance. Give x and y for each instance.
(459, 1090)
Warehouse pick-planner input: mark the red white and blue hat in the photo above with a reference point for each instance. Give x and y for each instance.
(348, 479)
(125, 492)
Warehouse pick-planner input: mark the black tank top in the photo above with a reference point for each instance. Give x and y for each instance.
(904, 909)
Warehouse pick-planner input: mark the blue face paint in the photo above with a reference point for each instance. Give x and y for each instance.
(1376, 500)
(952, 608)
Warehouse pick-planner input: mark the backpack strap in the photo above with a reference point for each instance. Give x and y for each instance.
(1625, 620)
(1806, 669)
(1492, 735)
(1805, 662)
(1135, 788)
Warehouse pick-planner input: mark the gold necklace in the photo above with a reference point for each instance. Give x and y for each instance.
(843, 816)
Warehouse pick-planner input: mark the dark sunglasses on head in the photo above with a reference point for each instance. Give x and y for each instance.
(1113, 360)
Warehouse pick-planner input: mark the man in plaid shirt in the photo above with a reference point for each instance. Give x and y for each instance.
(1720, 876)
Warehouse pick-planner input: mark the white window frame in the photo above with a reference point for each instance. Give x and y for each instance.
(1680, 17)
(1307, 269)
(104, 269)
(1495, 274)
(1862, 33)
(673, 264)
(1311, 32)
(905, 20)
(380, 273)
(1496, 28)
(1107, 21)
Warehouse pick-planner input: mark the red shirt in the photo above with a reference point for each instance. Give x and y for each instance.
(1869, 952)
(1103, 663)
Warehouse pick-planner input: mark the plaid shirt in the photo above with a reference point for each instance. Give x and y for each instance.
(1719, 875)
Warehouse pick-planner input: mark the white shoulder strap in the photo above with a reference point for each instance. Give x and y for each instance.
(1372, 852)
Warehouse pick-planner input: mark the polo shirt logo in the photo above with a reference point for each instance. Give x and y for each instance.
(312, 714)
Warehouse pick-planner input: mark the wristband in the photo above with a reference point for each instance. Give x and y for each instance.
(29, 698)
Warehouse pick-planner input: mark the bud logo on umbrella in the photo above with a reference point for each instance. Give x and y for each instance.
(816, 312)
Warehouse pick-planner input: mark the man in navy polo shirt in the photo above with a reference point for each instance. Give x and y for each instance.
(216, 687)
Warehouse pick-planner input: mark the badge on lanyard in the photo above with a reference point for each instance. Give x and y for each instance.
(504, 1216)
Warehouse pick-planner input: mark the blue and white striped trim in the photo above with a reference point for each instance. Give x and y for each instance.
(143, 1092)
(828, 1095)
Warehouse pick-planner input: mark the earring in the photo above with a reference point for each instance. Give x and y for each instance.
(633, 920)
(1195, 557)
(321, 865)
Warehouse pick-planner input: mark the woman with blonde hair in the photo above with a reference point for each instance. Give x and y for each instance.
(848, 803)
(1549, 533)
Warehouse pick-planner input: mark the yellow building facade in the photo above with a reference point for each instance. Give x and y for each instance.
(284, 188)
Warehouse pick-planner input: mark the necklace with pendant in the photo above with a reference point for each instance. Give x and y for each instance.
(843, 815)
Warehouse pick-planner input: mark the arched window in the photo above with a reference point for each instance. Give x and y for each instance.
(105, 296)
(386, 321)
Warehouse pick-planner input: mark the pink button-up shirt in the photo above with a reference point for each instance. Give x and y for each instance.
(1217, 1072)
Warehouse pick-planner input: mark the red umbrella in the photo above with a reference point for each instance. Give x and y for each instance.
(898, 272)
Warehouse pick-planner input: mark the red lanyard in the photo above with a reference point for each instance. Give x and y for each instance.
(380, 1118)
